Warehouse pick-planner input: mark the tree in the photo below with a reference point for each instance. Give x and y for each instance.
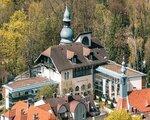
(121, 115)
(13, 40)
(6, 10)
(46, 91)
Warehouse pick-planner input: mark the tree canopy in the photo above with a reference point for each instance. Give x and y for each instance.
(46, 91)
(121, 115)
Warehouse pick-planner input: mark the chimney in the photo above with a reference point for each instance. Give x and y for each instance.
(35, 116)
(70, 98)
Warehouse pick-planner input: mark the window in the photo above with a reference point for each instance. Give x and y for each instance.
(85, 40)
(77, 88)
(91, 56)
(83, 116)
(66, 75)
(83, 87)
(26, 93)
(75, 59)
(124, 81)
(64, 90)
(70, 89)
(89, 85)
(82, 71)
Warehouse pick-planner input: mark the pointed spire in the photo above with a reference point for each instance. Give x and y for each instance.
(67, 17)
(123, 67)
(66, 33)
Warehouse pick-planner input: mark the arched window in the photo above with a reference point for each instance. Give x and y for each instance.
(65, 76)
(89, 86)
(85, 40)
(77, 88)
(83, 87)
(71, 89)
(64, 90)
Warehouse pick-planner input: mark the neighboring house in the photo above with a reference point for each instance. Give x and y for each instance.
(71, 107)
(78, 110)
(107, 78)
(139, 101)
(23, 89)
(23, 111)
(62, 108)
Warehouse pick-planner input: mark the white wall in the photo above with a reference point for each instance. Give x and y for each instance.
(6, 98)
(51, 74)
(135, 82)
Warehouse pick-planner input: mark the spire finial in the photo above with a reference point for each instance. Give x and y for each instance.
(123, 67)
(66, 15)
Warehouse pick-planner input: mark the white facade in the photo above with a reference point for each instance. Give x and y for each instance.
(135, 82)
(7, 98)
(50, 74)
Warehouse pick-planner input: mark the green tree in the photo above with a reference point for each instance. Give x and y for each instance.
(46, 91)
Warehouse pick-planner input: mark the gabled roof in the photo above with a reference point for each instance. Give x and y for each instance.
(139, 99)
(58, 55)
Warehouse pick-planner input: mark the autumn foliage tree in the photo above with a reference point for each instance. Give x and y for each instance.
(13, 39)
(121, 115)
(46, 91)
(27, 27)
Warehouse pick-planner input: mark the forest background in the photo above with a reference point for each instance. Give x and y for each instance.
(27, 27)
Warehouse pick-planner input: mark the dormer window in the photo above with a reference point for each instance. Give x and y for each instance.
(91, 56)
(72, 57)
(75, 59)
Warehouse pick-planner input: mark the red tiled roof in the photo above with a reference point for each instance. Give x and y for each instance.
(45, 107)
(140, 99)
(21, 111)
(10, 113)
(43, 112)
(20, 105)
(16, 111)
